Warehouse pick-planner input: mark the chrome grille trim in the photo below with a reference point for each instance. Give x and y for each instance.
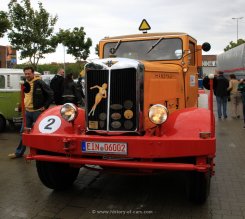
(109, 97)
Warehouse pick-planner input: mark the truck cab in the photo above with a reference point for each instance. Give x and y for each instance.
(141, 115)
(165, 66)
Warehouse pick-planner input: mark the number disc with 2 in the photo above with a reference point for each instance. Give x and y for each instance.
(49, 124)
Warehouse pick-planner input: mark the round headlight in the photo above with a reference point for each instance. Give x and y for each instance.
(69, 112)
(158, 114)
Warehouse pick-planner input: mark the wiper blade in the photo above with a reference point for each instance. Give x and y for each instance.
(154, 45)
(114, 49)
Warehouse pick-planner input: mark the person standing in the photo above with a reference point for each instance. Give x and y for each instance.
(235, 97)
(241, 88)
(81, 87)
(221, 85)
(56, 85)
(38, 97)
(71, 93)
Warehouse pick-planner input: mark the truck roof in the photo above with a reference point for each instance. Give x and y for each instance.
(147, 35)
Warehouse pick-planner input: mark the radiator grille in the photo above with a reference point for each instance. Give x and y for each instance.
(117, 112)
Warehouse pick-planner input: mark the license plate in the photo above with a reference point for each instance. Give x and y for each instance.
(104, 147)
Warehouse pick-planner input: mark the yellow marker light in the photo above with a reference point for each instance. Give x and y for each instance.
(69, 112)
(158, 114)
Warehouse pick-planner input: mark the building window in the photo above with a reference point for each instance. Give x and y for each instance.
(2, 81)
(8, 80)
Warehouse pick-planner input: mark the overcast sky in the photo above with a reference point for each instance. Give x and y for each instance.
(206, 20)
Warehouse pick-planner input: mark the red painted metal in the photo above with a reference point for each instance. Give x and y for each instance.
(121, 164)
(211, 108)
(234, 69)
(178, 137)
(138, 146)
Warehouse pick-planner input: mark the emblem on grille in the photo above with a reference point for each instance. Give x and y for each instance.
(110, 63)
(101, 94)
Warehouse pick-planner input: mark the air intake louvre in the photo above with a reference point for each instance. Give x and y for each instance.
(122, 91)
(96, 77)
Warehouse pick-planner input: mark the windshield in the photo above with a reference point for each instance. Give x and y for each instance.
(158, 49)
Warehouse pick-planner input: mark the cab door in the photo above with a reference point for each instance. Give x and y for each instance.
(191, 78)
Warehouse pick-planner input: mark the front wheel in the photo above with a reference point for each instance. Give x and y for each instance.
(58, 176)
(198, 186)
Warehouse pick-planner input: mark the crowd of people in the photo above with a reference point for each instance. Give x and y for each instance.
(225, 90)
(65, 89)
(39, 96)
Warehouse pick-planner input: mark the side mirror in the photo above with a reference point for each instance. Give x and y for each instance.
(206, 47)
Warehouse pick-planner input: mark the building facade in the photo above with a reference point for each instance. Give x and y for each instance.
(209, 64)
(8, 58)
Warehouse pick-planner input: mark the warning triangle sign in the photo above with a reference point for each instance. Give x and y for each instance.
(144, 25)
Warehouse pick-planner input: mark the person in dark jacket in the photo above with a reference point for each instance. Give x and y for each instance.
(56, 85)
(38, 97)
(81, 89)
(71, 93)
(221, 85)
(241, 88)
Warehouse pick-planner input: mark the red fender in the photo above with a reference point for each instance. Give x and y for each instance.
(61, 125)
(187, 123)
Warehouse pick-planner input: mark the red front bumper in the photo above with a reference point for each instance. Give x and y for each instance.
(143, 149)
(122, 164)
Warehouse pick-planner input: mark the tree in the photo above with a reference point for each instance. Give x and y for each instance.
(75, 42)
(97, 49)
(53, 68)
(32, 31)
(233, 44)
(5, 24)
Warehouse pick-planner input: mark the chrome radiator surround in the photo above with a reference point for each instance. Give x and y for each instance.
(114, 96)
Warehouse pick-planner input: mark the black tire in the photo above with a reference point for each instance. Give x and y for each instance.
(57, 176)
(2, 123)
(198, 187)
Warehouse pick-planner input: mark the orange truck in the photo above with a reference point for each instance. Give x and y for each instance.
(141, 115)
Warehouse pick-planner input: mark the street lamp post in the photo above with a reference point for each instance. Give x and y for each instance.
(237, 18)
(64, 60)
